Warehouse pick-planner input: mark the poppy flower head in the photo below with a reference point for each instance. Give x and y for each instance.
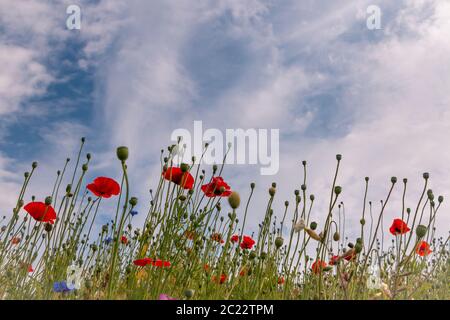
(398, 227)
(161, 263)
(15, 240)
(217, 237)
(247, 242)
(222, 279)
(206, 267)
(423, 249)
(317, 266)
(143, 262)
(234, 238)
(216, 188)
(334, 260)
(124, 240)
(280, 280)
(104, 187)
(41, 212)
(177, 176)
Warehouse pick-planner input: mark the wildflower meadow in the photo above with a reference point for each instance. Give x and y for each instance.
(195, 242)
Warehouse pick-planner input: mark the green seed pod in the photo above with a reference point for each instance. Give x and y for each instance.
(362, 221)
(358, 247)
(338, 157)
(252, 185)
(252, 255)
(133, 201)
(336, 236)
(34, 165)
(279, 242)
(421, 231)
(272, 191)
(48, 201)
(122, 153)
(184, 167)
(189, 293)
(313, 225)
(48, 227)
(394, 180)
(337, 190)
(234, 200)
(84, 167)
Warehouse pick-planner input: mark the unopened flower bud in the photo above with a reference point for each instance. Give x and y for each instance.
(234, 200)
(122, 153)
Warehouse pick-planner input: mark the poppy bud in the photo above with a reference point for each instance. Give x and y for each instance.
(286, 203)
(184, 167)
(252, 185)
(362, 221)
(48, 201)
(48, 227)
(279, 242)
(311, 197)
(304, 162)
(133, 201)
(440, 199)
(408, 210)
(84, 167)
(263, 255)
(214, 167)
(122, 153)
(338, 157)
(68, 188)
(337, 190)
(189, 293)
(83, 139)
(34, 165)
(313, 225)
(351, 245)
(105, 228)
(367, 179)
(313, 235)
(252, 255)
(421, 231)
(296, 192)
(88, 156)
(426, 175)
(359, 240)
(182, 197)
(358, 247)
(303, 187)
(394, 180)
(272, 191)
(336, 236)
(26, 174)
(234, 200)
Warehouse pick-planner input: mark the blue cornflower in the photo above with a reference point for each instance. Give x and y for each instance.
(108, 240)
(60, 286)
(133, 213)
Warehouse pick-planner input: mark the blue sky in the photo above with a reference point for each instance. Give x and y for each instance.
(139, 69)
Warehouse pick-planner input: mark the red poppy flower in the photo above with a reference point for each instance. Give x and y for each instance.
(318, 265)
(124, 240)
(334, 260)
(104, 187)
(247, 242)
(398, 227)
(423, 249)
(280, 280)
(15, 240)
(243, 272)
(217, 237)
(41, 212)
(216, 188)
(143, 262)
(160, 263)
(206, 267)
(30, 268)
(349, 255)
(223, 278)
(183, 179)
(234, 238)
